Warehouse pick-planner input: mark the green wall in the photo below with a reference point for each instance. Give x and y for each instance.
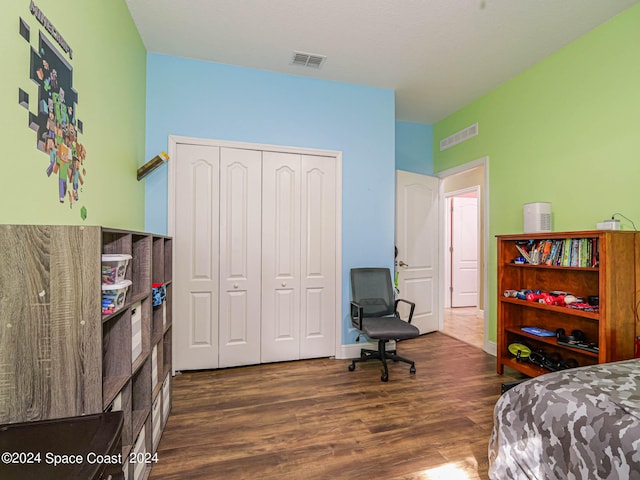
(109, 70)
(566, 131)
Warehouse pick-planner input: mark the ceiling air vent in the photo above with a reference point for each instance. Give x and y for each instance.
(308, 59)
(459, 137)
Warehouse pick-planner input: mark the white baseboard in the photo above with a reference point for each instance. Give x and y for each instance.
(491, 348)
(353, 350)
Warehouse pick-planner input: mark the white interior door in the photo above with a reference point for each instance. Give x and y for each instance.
(240, 256)
(318, 254)
(197, 248)
(417, 243)
(280, 337)
(464, 251)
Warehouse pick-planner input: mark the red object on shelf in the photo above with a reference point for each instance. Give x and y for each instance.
(549, 300)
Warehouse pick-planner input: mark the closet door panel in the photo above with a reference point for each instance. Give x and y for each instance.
(318, 251)
(197, 251)
(280, 257)
(240, 254)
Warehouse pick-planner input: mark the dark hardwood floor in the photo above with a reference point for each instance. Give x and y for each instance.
(313, 419)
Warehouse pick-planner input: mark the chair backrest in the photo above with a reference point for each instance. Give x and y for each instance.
(372, 288)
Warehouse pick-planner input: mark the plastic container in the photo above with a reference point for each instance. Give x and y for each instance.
(114, 267)
(114, 296)
(159, 294)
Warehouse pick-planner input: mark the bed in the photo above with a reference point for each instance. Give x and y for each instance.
(582, 423)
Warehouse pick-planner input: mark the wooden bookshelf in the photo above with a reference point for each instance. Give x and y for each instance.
(611, 277)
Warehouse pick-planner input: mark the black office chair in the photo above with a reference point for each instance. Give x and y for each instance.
(375, 313)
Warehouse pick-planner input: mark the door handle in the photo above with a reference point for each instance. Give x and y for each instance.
(402, 264)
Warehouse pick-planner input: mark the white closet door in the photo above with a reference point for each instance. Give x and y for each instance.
(197, 249)
(280, 257)
(240, 252)
(318, 255)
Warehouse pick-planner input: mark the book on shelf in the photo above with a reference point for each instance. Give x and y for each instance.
(524, 253)
(552, 259)
(568, 252)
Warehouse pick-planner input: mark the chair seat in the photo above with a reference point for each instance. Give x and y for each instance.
(388, 328)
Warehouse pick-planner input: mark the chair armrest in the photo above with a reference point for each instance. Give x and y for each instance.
(357, 313)
(413, 307)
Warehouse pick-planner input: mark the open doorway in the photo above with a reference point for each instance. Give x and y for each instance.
(463, 197)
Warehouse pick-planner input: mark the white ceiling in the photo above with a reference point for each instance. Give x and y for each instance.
(438, 55)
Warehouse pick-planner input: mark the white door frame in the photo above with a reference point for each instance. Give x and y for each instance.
(173, 142)
(489, 347)
(447, 223)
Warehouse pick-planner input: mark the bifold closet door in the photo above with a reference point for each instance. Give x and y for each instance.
(280, 257)
(318, 256)
(298, 256)
(240, 256)
(196, 247)
(255, 252)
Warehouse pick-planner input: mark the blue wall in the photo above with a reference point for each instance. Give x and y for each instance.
(414, 147)
(209, 100)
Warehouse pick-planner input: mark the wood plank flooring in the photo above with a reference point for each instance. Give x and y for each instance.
(313, 419)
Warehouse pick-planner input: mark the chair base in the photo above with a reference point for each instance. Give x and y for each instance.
(383, 355)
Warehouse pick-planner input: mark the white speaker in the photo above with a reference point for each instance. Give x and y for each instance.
(537, 217)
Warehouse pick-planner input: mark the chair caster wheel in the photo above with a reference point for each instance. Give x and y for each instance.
(412, 369)
(352, 367)
(384, 378)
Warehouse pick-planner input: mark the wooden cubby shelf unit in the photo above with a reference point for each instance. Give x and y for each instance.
(611, 275)
(87, 362)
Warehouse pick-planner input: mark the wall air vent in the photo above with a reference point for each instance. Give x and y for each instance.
(459, 137)
(308, 59)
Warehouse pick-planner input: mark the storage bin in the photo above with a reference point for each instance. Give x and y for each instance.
(114, 296)
(166, 397)
(116, 406)
(139, 457)
(154, 367)
(136, 331)
(114, 267)
(156, 421)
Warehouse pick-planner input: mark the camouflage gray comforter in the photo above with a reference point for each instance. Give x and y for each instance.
(582, 423)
